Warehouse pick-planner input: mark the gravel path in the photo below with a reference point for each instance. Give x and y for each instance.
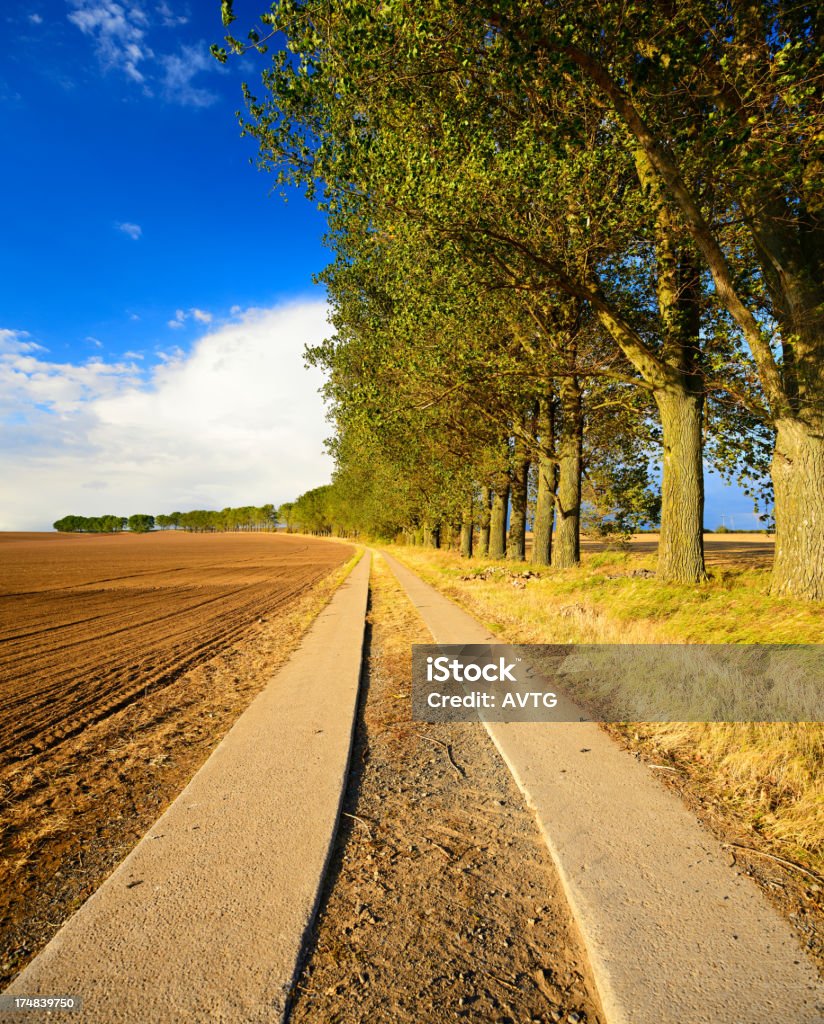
(442, 903)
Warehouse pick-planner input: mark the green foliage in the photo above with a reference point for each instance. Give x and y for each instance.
(525, 196)
(247, 517)
(619, 501)
(141, 523)
(244, 518)
(90, 524)
(312, 511)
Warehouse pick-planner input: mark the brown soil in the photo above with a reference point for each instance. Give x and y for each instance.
(754, 550)
(88, 623)
(441, 903)
(74, 798)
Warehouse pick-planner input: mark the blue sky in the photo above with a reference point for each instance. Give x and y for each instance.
(155, 297)
(127, 189)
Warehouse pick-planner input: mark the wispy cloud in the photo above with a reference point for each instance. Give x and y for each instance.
(181, 316)
(169, 18)
(134, 231)
(8, 95)
(14, 342)
(94, 341)
(36, 19)
(174, 355)
(236, 419)
(28, 379)
(119, 32)
(179, 71)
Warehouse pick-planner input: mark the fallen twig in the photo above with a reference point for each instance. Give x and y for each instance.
(362, 821)
(502, 981)
(778, 860)
(447, 853)
(448, 750)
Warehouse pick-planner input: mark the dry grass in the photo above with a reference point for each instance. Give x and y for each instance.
(693, 682)
(766, 780)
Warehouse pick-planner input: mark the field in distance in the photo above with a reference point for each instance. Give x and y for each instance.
(88, 623)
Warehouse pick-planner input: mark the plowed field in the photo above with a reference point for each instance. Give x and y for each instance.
(89, 623)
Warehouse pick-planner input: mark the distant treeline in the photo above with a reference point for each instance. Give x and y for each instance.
(246, 517)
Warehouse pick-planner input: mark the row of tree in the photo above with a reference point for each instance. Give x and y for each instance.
(578, 248)
(138, 523)
(244, 518)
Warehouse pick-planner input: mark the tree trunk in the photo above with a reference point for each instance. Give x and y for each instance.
(516, 541)
(566, 551)
(678, 393)
(798, 480)
(431, 536)
(545, 502)
(483, 525)
(681, 544)
(466, 532)
(497, 522)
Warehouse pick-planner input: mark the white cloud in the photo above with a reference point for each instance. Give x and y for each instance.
(134, 231)
(36, 19)
(169, 18)
(237, 419)
(14, 342)
(94, 341)
(119, 33)
(181, 316)
(133, 316)
(179, 70)
(28, 380)
(176, 355)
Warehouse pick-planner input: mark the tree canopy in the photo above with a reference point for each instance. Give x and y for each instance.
(576, 247)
